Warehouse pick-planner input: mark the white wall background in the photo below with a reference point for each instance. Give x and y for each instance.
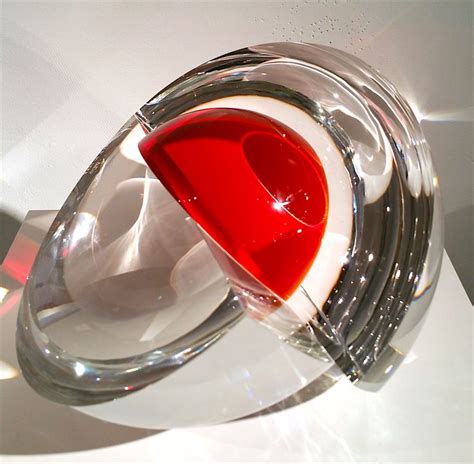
(73, 72)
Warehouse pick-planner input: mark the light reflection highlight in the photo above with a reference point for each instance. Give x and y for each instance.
(3, 294)
(456, 115)
(7, 371)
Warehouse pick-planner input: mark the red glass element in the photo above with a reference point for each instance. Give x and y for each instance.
(254, 185)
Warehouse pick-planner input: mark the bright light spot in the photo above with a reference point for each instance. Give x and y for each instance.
(129, 145)
(362, 279)
(410, 358)
(3, 293)
(83, 227)
(299, 231)
(459, 114)
(418, 112)
(279, 205)
(7, 371)
(335, 95)
(80, 369)
(371, 257)
(435, 181)
(388, 209)
(397, 274)
(389, 368)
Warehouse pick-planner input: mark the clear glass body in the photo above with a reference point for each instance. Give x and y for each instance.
(128, 287)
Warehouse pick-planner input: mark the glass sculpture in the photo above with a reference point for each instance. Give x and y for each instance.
(285, 186)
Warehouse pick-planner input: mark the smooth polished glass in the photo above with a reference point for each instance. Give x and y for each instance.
(153, 258)
(200, 392)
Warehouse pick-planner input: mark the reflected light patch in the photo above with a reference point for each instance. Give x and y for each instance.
(84, 226)
(457, 115)
(129, 145)
(7, 371)
(3, 294)
(410, 357)
(419, 113)
(422, 113)
(10, 302)
(79, 369)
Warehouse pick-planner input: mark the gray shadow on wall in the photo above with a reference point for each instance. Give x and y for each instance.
(9, 226)
(459, 246)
